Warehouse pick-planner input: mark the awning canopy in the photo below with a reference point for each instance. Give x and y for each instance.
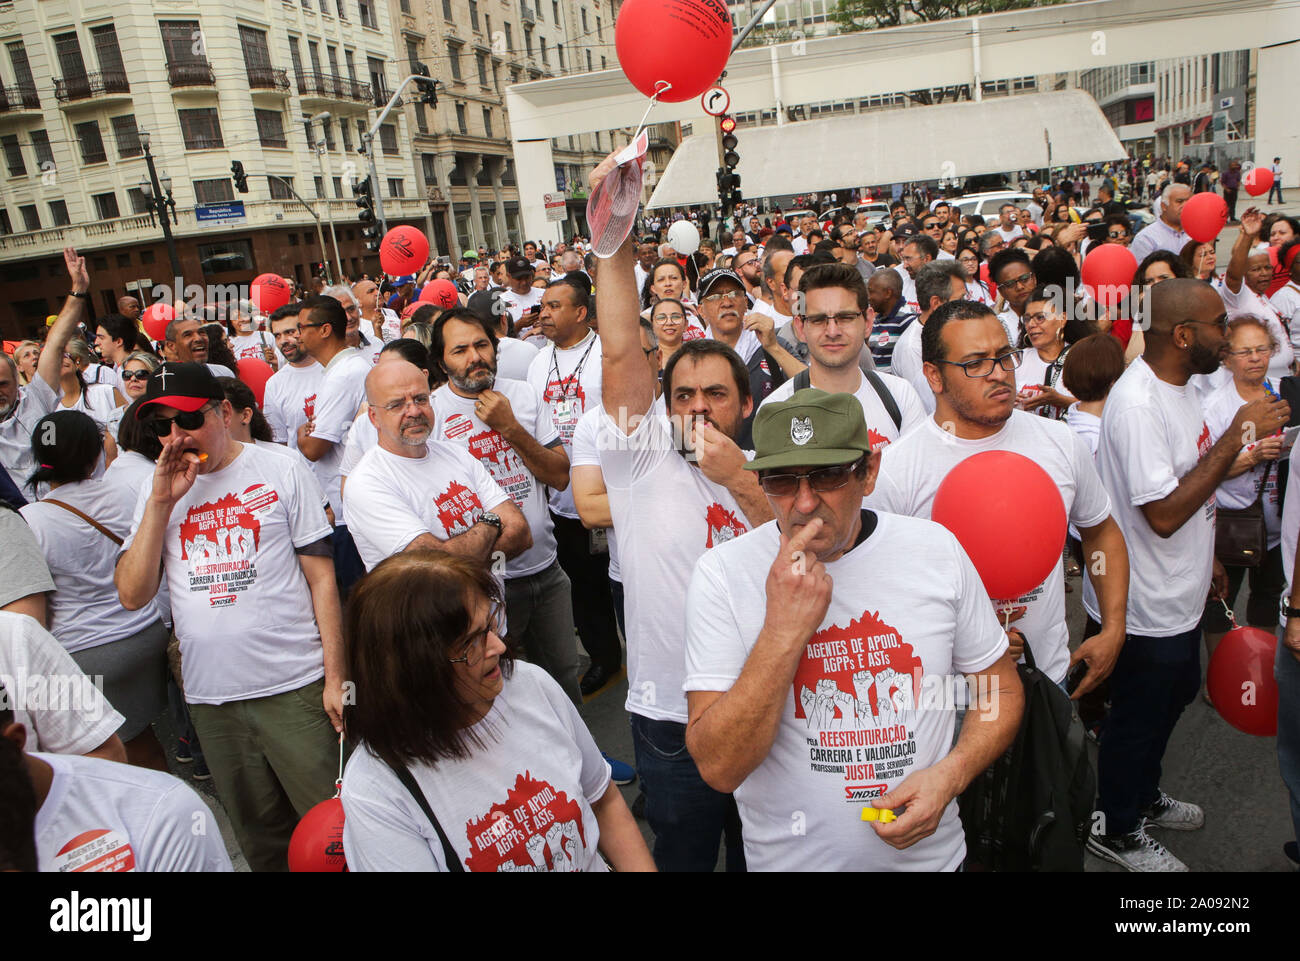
(895, 146)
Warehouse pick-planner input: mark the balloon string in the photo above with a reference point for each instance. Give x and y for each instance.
(338, 782)
(1232, 618)
(661, 87)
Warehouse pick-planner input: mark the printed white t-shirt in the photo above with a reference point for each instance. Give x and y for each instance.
(395, 499)
(522, 802)
(32, 665)
(569, 381)
(133, 470)
(870, 703)
(290, 400)
(361, 438)
(341, 392)
(518, 304)
(513, 358)
(880, 426)
(906, 363)
(1237, 492)
(912, 470)
(242, 608)
(1247, 301)
(1152, 434)
(101, 816)
(252, 346)
(667, 514)
(84, 610)
(586, 453)
(457, 424)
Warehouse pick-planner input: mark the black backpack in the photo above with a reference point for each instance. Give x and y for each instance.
(804, 379)
(1031, 809)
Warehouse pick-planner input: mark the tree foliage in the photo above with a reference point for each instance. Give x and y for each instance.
(854, 15)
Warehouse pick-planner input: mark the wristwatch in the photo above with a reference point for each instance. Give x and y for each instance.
(85, 295)
(1289, 611)
(487, 517)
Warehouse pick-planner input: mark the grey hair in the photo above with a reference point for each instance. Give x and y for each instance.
(149, 360)
(339, 291)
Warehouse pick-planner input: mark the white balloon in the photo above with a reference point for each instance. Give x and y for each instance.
(684, 238)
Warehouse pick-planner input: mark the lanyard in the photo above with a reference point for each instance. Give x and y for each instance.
(573, 378)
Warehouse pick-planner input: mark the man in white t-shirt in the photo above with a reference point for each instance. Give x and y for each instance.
(1161, 470)
(322, 325)
(566, 375)
(1008, 225)
(975, 404)
(242, 538)
(66, 813)
(936, 284)
(290, 397)
(818, 649)
(676, 489)
(368, 345)
(520, 296)
(835, 328)
(1166, 231)
(505, 426)
(409, 493)
(184, 342)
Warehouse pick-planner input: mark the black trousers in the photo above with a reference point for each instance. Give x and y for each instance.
(593, 604)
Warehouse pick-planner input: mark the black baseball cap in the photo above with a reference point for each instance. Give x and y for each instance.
(186, 387)
(711, 279)
(519, 267)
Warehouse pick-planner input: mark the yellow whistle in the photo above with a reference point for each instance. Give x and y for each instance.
(883, 815)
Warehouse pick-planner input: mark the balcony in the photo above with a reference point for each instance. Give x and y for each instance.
(20, 96)
(72, 89)
(327, 86)
(268, 78)
(193, 73)
(527, 15)
(381, 99)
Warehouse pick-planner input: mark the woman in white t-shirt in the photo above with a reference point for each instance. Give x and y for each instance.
(1046, 343)
(97, 400)
(465, 758)
(135, 381)
(1251, 344)
(80, 526)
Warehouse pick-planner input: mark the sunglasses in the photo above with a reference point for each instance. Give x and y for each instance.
(135, 375)
(822, 481)
(185, 420)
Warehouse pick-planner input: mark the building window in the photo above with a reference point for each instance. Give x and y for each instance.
(460, 119)
(201, 128)
(588, 61)
(453, 55)
(41, 144)
(528, 41)
(541, 41)
(213, 191)
(510, 39)
(555, 11)
(473, 14)
(107, 51)
(280, 188)
(126, 136)
(31, 219)
(105, 206)
(59, 213)
(338, 187)
(146, 257)
(481, 62)
(136, 198)
(319, 184)
(559, 55)
(13, 155)
(600, 34)
(22, 68)
(346, 131)
(487, 121)
(270, 128)
(388, 137)
(224, 257)
(405, 6)
(6, 228)
(367, 14)
(602, 63)
(446, 10)
(378, 80)
(327, 128)
(428, 167)
(179, 42)
(585, 28)
(92, 145)
(396, 187)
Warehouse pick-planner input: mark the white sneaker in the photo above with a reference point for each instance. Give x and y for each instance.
(1175, 815)
(1136, 852)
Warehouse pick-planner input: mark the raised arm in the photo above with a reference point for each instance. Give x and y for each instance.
(1252, 221)
(51, 362)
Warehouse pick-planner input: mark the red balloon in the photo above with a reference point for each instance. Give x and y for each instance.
(1258, 180)
(1107, 272)
(440, 292)
(1240, 680)
(155, 319)
(684, 43)
(1204, 216)
(317, 841)
(268, 292)
(1007, 513)
(255, 372)
(403, 250)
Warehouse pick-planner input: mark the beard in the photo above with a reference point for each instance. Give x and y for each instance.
(1202, 359)
(7, 408)
(294, 353)
(968, 411)
(683, 428)
(476, 378)
(414, 432)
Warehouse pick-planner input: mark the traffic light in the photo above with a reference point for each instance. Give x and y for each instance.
(241, 179)
(428, 88)
(362, 193)
(728, 180)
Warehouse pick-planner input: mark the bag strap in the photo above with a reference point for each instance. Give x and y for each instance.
(804, 379)
(448, 852)
(87, 518)
(1263, 482)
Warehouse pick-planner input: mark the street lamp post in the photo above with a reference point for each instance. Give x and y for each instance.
(323, 164)
(159, 196)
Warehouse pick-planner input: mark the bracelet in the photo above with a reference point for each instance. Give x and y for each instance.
(83, 296)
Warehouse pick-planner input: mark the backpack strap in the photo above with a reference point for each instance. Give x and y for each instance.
(802, 379)
(886, 398)
(87, 518)
(448, 852)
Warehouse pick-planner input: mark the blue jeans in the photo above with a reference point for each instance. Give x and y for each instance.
(1286, 669)
(688, 817)
(1154, 679)
(348, 566)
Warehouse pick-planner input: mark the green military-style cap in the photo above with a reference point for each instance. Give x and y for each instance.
(811, 429)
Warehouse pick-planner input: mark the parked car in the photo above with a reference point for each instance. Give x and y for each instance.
(988, 204)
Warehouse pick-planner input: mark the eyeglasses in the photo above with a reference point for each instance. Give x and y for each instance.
(1117, 234)
(841, 318)
(983, 366)
(301, 325)
(135, 375)
(822, 481)
(420, 400)
(1021, 281)
(725, 295)
(1252, 352)
(1221, 324)
(185, 420)
(475, 647)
